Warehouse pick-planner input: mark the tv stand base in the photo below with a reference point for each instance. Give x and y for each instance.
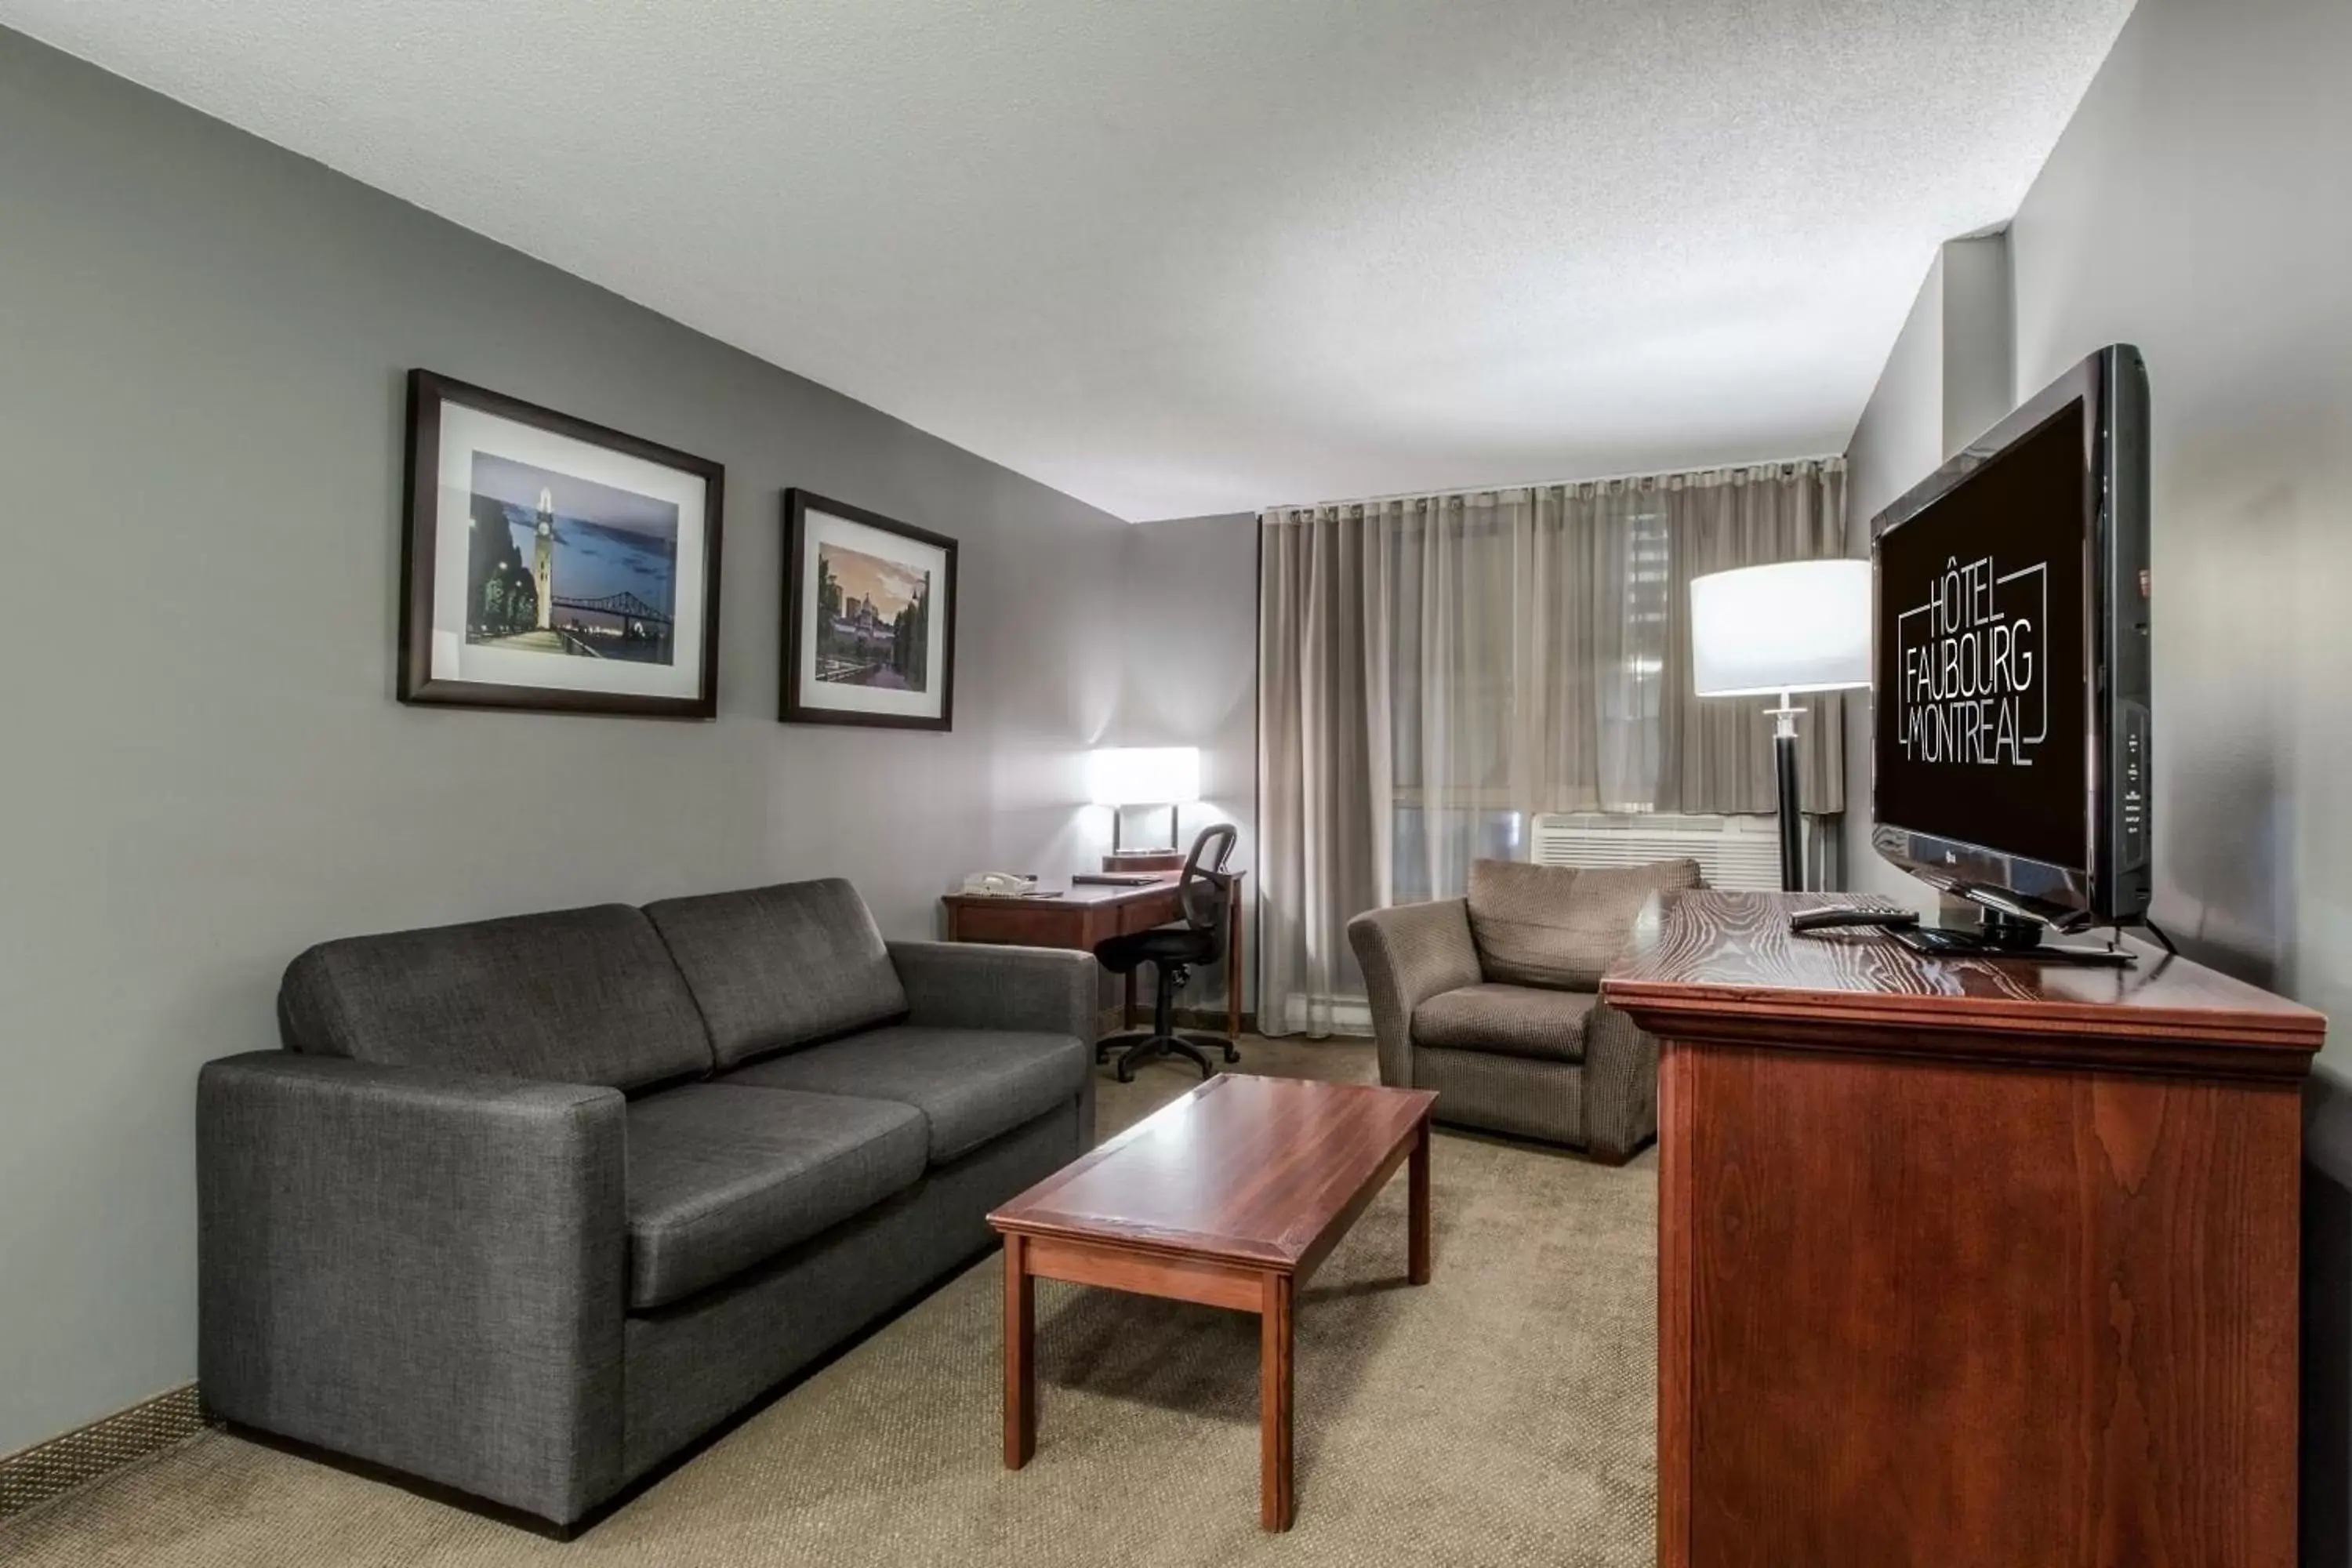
(1938, 942)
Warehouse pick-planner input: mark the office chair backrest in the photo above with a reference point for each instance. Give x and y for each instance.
(1204, 888)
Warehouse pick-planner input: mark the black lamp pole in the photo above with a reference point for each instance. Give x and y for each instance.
(1784, 758)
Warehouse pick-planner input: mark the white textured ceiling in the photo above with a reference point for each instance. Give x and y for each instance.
(1177, 256)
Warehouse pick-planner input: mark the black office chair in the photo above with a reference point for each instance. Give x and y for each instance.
(1205, 893)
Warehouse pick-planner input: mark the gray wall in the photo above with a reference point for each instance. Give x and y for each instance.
(1897, 442)
(202, 341)
(1191, 680)
(1947, 382)
(1980, 338)
(2196, 205)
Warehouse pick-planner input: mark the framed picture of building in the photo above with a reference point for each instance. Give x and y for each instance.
(551, 563)
(869, 618)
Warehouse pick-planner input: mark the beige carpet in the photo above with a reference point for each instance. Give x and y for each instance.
(1500, 1414)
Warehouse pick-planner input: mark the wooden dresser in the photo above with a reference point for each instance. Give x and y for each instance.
(1965, 1261)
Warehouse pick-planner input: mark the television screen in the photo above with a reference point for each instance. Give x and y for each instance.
(1981, 717)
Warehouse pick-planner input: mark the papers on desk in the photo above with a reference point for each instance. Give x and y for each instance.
(1002, 885)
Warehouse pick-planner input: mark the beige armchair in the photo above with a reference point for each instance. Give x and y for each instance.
(1493, 1001)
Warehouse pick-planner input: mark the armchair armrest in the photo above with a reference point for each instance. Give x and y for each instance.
(1410, 953)
(419, 1267)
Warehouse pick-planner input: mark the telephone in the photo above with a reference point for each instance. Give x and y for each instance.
(1000, 884)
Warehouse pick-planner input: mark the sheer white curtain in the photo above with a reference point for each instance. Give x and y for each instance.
(1435, 670)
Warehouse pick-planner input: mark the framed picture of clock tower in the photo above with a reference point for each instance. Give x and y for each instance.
(552, 564)
(869, 618)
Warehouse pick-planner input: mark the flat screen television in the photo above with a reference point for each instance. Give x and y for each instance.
(2009, 681)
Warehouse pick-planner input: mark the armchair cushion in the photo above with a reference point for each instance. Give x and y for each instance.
(720, 1179)
(970, 1085)
(1560, 925)
(1506, 1021)
(776, 967)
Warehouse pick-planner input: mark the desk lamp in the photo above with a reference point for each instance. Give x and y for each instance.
(1799, 625)
(1120, 776)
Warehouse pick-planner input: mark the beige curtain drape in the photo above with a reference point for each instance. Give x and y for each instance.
(1314, 772)
(1432, 670)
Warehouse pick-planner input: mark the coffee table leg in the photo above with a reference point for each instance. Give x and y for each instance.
(1274, 1404)
(1020, 1354)
(1417, 1179)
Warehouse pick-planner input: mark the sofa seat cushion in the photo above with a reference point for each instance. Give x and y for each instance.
(720, 1179)
(970, 1085)
(1506, 1021)
(1561, 925)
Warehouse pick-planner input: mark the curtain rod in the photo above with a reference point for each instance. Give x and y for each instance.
(1829, 461)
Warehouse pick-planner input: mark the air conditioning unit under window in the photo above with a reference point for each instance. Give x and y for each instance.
(1731, 851)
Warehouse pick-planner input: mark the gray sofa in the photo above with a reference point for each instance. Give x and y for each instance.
(525, 1207)
(1491, 1000)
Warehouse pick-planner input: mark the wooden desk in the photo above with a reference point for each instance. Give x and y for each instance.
(1088, 912)
(1966, 1261)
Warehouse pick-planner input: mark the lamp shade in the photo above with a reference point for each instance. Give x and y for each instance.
(1144, 775)
(1797, 626)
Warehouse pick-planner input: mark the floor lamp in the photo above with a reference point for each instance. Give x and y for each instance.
(1779, 630)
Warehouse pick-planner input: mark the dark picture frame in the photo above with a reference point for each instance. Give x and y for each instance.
(426, 511)
(801, 592)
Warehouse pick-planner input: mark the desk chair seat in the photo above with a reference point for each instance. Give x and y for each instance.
(1205, 894)
(1161, 944)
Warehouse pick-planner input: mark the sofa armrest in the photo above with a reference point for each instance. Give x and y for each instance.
(418, 1268)
(1410, 953)
(980, 986)
(977, 985)
(1621, 1085)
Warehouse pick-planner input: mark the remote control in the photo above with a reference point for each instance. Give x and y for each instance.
(1838, 916)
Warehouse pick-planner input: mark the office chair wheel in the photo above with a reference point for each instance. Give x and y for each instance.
(1216, 1043)
(1124, 1040)
(1161, 1048)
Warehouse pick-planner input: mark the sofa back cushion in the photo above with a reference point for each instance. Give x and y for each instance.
(1559, 926)
(575, 996)
(776, 967)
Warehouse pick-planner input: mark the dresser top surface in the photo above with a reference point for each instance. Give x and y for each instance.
(1728, 954)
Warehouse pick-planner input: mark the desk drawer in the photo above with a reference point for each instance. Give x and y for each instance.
(1021, 922)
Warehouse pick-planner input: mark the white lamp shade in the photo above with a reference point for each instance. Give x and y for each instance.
(1798, 626)
(1144, 775)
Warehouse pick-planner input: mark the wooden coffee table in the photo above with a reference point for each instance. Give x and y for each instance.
(1230, 1196)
